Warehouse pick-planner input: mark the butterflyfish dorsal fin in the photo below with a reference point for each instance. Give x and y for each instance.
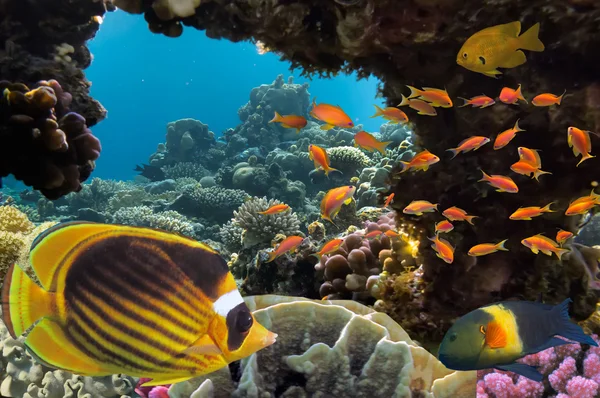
(495, 335)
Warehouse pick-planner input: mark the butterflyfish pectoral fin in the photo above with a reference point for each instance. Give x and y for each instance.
(524, 370)
(205, 345)
(166, 379)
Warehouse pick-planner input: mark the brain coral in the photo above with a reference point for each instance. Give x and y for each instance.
(331, 349)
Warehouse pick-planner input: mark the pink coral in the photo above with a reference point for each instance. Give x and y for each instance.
(151, 392)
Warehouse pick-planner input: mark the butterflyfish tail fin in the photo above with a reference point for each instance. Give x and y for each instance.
(530, 40)
(566, 328)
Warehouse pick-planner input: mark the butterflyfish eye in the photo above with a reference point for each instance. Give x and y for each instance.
(243, 322)
(453, 337)
(482, 60)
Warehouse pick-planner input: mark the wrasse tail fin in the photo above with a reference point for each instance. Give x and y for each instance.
(524, 370)
(530, 40)
(568, 329)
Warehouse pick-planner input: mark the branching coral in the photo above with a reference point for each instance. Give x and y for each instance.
(213, 203)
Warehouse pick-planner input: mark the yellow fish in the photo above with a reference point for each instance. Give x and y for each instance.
(498, 47)
(139, 301)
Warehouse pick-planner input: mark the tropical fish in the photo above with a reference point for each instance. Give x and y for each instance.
(469, 144)
(480, 101)
(540, 243)
(422, 107)
(502, 183)
(527, 169)
(279, 208)
(421, 161)
(457, 214)
(562, 236)
(444, 226)
(369, 143)
(418, 207)
(138, 301)
(443, 249)
(498, 47)
(497, 335)
(329, 247)
(510, 96)
(580, 141)
(506, 136)
(526, 213)
(289, 244)
(290, 121)
(390, 233)
(389, 200)
(547, 99)
(394, 115)
(332, 116)
(435, 96)
(334, 199)
(530, 156)
(373, 234)
(581, 205)
(320, 159)
(484, 249)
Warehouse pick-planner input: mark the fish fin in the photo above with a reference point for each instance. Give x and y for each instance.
(414, 92)
(516, 127)
(547, 209)
(205, 345)
(23, 301)
(524, 370)
(511, 29)
(348, 201)
(560, 252)
(493, 73)
(276, 118)
(378, 111)
(568, 329)
(404, 101)
(48, 341)
(454, 152)
(326, 127)
(165, 379)
(298, 130)
(530, 40)
(332, 169)
(469, 219)
(552, 342)
(405, 166)
(500, 245)
(535, 250)
(485, 176)
(519, 92)
(585, 157)
(272, 255)
(546, 252)
(466, 101)
(560, 98)
(538, 173)
(495, 335)
(516, 59)
(381, 146)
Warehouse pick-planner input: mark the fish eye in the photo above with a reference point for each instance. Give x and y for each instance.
(482, 60)
(453, 337)
(465, 55)
(243, 321)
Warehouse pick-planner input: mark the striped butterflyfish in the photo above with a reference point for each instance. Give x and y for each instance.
(138, 301)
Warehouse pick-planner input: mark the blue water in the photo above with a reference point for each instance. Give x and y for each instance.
(147, 80)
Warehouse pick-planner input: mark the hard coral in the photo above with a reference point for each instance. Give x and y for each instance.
(43, 144)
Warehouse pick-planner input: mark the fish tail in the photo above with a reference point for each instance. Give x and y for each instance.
(559, 99)
(404, 101)
(485, 176)
(378, 111)
(585, 157)
(539, 172)
(469, 219)
(517, 127)
(466, 102)
(23, 301)
(500, 245)
(568, 329)
(454, 152)
(405, 166)
(330, 169)
(414, 92)
(276, 118)
(547, 209)
(272, 256)
(382, 145)
(520, 94)
(530, 40)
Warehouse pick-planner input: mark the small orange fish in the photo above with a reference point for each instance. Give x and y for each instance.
(320, 158)
(506, 136)
(290, 121)
(581, 205)
(526, 213)
(289, 244)
(418, 207)
(331, 115)
(530, 156)
(421, 161)
(422, 107)
(562, 236)
(369, 143)
(392, 114)
(527, 169)
(435, 96)
(443, 226)
(480, 101)
(470, 144)
(457, 214)
(390, 233)
(443, 249)
(593, 196)
(374, 234)
(580, 141)
(540, 243)
(388, 200)
(500, 182)
(329, 247)
(547, 99)
(334, 199)
(510, 96)
(275, 209)
(484, 249)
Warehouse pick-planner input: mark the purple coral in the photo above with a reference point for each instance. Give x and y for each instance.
(151, 392)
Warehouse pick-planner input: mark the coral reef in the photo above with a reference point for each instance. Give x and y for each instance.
(213, 203)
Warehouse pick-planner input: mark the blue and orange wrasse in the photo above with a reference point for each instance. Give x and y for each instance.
(497, 335)
(138, 301)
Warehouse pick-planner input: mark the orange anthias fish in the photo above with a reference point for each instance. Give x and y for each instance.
(320, 158)
(506, 136)
(540, 243)
(329, 247)
(530, 156)
(547, 99)
(527, 169)
(444, 226)
(275, 209)
(582, 205)
(289, 244)
(510, 96)
(435, 96)
(480, 101)
(334, 199)
(390, 233)
(443, 249)
(500, 182)
(526, 213)
(392, 114)
(484, 249)
(332, 116)
(581, 143)
(470, 144)
(290, 121)
(457, 214)
(418, 207)
(389, 200)
(421, 161)
(422, 107)
(369, 143)
(373, 234)
(562, 236)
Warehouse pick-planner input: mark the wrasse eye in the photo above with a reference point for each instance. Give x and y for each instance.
(482, 60)
(482, 329)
